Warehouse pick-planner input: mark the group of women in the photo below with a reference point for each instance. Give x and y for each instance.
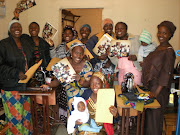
(18, 52)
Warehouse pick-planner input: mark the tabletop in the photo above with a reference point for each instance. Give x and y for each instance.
(120, 103)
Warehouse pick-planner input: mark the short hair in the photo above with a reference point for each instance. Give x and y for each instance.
(34, 23)
(123, 23)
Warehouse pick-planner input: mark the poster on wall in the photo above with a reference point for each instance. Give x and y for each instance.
(2, 8)
(48, 32)
(25, 4)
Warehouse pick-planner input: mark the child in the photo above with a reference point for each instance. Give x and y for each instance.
(146, 46)
(81, 114)
(90, 95)
(107, 68)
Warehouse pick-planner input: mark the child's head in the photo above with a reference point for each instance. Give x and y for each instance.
(107, 64)
(97, 81)
(79, 104)
(145, 38)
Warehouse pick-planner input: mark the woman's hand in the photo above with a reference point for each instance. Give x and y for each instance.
(87, 57)
(45, 87)
(77, 77)
(22, 76)
(16, 13)
(113, 110)
(141, 63)
(78, 122)
(108, 50)
(103, 57)
(50, 42)
(132, 57)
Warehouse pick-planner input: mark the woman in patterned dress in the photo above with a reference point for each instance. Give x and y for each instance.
(15, 58)
(83, 71)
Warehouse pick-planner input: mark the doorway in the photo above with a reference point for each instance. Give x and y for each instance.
(78, 17)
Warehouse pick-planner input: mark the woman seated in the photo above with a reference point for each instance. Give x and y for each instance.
(90, 95)
(83, 71)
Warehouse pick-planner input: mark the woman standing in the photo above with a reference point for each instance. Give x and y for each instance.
(156, 76)
(85, 31)
(15, 58)
(127, 64)
(62, 51)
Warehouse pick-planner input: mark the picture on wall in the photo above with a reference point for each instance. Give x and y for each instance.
(48, 32)
(2, 3)
(25, 4)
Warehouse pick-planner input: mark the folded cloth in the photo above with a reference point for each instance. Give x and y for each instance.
(137, 105)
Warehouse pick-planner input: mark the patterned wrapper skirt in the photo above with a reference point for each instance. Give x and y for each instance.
(17, 112)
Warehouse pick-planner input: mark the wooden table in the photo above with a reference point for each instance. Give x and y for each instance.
(45, 106)
(126, 111)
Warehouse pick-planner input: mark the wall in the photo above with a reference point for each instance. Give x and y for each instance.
(93, 17)
(138, 14)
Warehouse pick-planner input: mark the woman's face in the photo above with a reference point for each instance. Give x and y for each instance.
(95, 84)
(33, 30)
(108, 28)
(84, 32)
(120, 30)
(68, 36)
(77, 54)
(163, 34)
(16, 30)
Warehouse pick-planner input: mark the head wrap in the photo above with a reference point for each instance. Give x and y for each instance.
(11, 22)
(69, 27)
(77, 44)
(99, 75)
(171, 27)
(106, 21)
(145, 37)
(87, 26)
(76, 101)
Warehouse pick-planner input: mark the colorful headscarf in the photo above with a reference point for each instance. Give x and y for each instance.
(87, 26)
(99, 75)
(171, 27)
(77, 44)
(106, 21)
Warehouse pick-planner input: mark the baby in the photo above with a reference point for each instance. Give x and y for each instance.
(81, 114)
(146, 45)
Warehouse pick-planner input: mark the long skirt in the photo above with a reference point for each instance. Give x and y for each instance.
(17, 113)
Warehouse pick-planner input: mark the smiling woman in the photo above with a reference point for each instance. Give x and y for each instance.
(15, 58)
(157, 73)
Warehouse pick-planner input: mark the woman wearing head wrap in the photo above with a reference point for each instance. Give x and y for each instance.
(85, 31)
(156, 76)
(107, 25)
(90, 95)
(83, 71)
(15, 59)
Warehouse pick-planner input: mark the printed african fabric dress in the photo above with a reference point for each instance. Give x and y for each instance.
(74, 89)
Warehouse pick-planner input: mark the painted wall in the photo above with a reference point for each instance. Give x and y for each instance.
(138, 14)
